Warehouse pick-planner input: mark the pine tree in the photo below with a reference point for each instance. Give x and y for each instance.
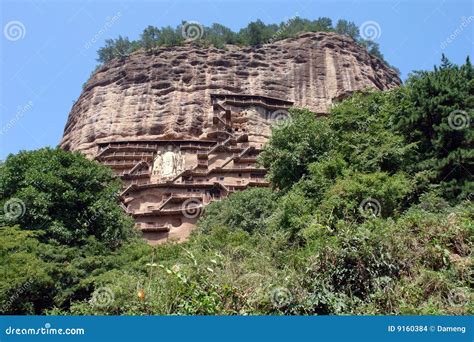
(438, 118)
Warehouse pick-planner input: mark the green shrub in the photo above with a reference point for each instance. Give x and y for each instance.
(26, 284)
(364, 133)
(357, 196)
(247, 210)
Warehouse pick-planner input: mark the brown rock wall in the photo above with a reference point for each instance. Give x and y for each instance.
(166, 95)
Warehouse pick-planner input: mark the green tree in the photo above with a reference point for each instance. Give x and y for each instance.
(123, 47)
(150, 38)
(218, 35)
(26, 284)
(170, 36)
(348, 28)
(293, 145)
(64, 194)
(39, 276)
(436, 115)
(257, 33)
(364, 134)
(116, 48)
(356, 196)
(321, 24)
(107, 52)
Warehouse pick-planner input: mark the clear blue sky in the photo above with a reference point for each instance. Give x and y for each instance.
(44, 59)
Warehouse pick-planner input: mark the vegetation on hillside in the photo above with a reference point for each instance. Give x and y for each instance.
(64, 195)
(217, 35)
(371, 213)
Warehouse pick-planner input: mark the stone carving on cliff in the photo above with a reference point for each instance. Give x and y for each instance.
(168, 163)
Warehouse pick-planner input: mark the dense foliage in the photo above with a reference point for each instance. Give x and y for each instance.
(256, 33)
(437, 117)
(66, 196)
(38, 275)
(362, 219)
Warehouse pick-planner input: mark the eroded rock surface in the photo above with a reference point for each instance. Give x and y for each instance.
(166, 95)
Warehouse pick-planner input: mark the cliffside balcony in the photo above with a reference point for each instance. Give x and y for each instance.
(219, 134)
(138, 174)
(127, 155)
(153, 228)
(121, 164)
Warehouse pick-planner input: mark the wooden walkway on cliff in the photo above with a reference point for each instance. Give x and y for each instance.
(270, 103)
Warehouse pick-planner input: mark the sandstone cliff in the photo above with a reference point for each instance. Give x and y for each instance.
(166, 95)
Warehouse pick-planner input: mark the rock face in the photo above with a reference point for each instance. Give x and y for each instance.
(186, 118)
(167, 95)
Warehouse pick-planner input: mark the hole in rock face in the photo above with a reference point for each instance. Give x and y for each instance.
(187, 78)
(156, 130)
(161, 85)
(140, 130)
(220, 62)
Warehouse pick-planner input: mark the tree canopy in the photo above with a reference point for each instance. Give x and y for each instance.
(436, 116)
(63, 194)
(255, 33)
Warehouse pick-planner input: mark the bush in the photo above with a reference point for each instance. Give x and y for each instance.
(364, 133)
(300, 141)
(247, 210)
(414, 264)
(26, 284)
(357, 196)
